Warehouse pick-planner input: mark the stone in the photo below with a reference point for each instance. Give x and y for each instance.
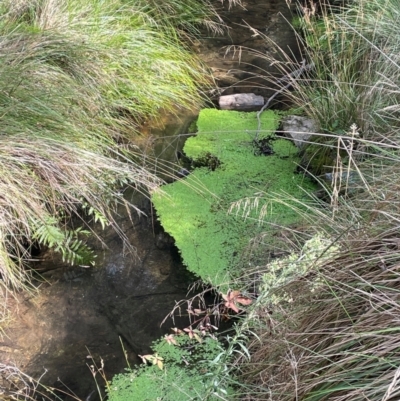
(299, 129)
(241, 102)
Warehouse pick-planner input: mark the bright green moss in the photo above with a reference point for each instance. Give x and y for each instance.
(228, 133)
(194, 211)
(186, 375)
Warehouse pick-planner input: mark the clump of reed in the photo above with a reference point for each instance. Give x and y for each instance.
(77, 79)
(327, 327)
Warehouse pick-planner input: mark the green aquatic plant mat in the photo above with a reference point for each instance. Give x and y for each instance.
(194, 210)
(176, 372)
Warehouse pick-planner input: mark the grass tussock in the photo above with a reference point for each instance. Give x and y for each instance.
(333, 333)
(325, 324)
(77, 81)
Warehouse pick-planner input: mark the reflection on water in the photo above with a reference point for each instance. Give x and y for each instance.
(161, 145)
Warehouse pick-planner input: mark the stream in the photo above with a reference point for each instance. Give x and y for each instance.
(82, 316)
(103, 310)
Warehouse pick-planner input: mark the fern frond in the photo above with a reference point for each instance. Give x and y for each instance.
(67, 242)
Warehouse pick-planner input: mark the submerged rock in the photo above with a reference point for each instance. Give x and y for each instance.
(299, 129)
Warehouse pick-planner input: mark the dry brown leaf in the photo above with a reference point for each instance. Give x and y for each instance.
(235, 296)
(243, 300)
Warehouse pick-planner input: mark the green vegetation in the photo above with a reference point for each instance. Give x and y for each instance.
(323, 324)
(353, 50)
(194, 210)
(77, 80)
(186, 17)
(181, 372)
(325, 321)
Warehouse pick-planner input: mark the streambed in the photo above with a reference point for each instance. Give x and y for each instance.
(88, 311)
(85, 312)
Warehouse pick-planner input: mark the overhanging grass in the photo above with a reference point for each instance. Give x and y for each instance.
(185, 16)
(77, 80)
(135, 67)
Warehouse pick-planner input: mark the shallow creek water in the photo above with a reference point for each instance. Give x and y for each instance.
(88, 312)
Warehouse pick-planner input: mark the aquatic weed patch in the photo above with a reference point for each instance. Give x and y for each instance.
(183, 371)
(194, 210)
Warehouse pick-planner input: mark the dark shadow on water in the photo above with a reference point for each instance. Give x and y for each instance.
(85, 317)
(95, 314)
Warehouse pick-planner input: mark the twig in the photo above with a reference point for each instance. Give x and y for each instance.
(286, 78)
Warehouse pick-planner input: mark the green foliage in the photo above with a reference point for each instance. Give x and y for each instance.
(77, 80)
(326, 321)
(354, 52)
(184, 377)
(315, 252)
(67, 242)
(194, 210)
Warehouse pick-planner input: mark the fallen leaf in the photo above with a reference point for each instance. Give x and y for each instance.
(243, 300)
(231, 295)
(157, 360)
(229, 300)
(235, 296)
(190, 331)
(231, 305)
(147, 358)
(170, 339)
(209, 325)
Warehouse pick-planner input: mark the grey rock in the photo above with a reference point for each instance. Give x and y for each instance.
(241, 102)
(299, 129)
(345, 177)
